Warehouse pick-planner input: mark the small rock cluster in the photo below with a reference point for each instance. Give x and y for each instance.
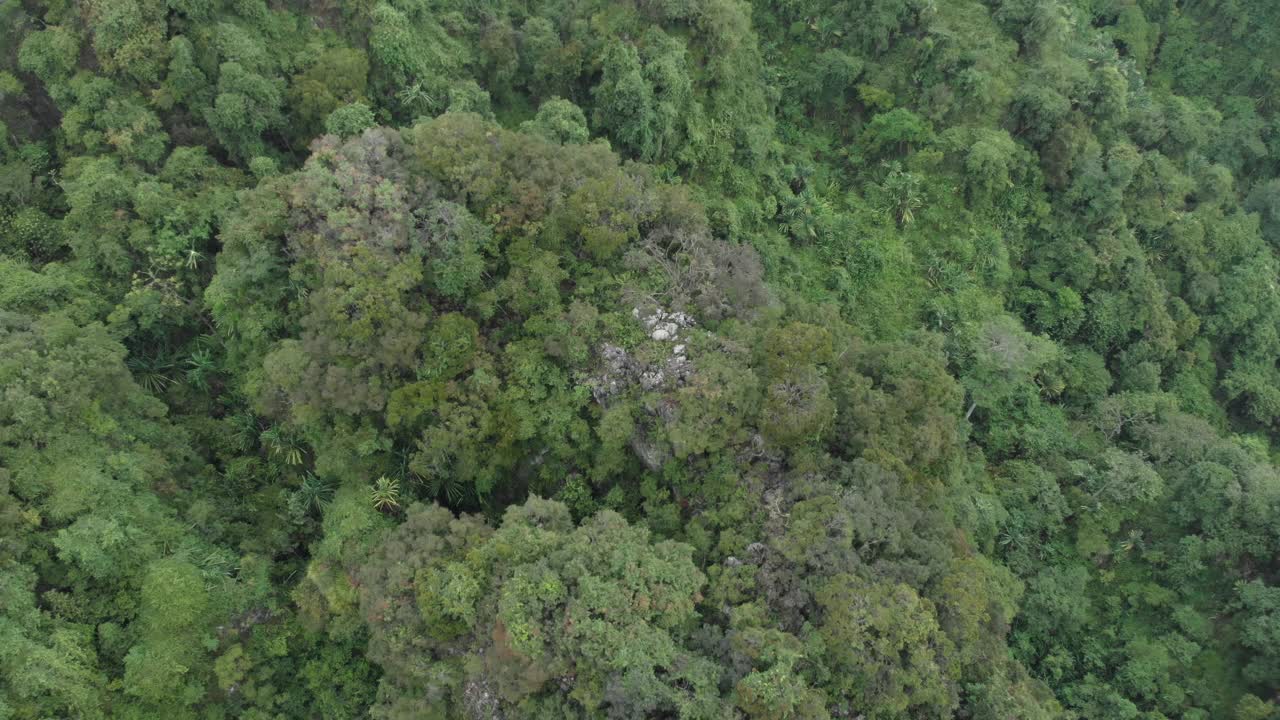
(665, 326)
(620, 370)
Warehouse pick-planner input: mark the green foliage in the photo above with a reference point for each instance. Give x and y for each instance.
(349, 120)
(560, 121)
(51, 665)
(885, 359)
(884, 649)
(536, 607)
(174, 606)
(50, 54)
(899, 129)
(246, 105)
(337, 81)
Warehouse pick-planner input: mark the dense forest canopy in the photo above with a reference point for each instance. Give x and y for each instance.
(698, 359)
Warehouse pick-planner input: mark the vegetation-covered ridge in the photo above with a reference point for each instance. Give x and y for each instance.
(697, 359)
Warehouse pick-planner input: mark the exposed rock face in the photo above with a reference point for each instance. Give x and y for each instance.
(653, 455)
(620, 370)
(617, 372)
(663, 325)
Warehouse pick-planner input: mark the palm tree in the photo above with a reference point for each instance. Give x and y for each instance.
(283, 443)
(315, 493)
(154, 373)
(199, 367)
(386, 494)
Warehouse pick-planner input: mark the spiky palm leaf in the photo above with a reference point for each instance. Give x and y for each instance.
(199, 367)
(153, 373)
(385, 494)
(315, 493)
(903, 195)
(244, 429)
(446, 485)
(283, 444)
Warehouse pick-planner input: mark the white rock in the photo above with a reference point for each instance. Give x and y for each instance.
(665, 331)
